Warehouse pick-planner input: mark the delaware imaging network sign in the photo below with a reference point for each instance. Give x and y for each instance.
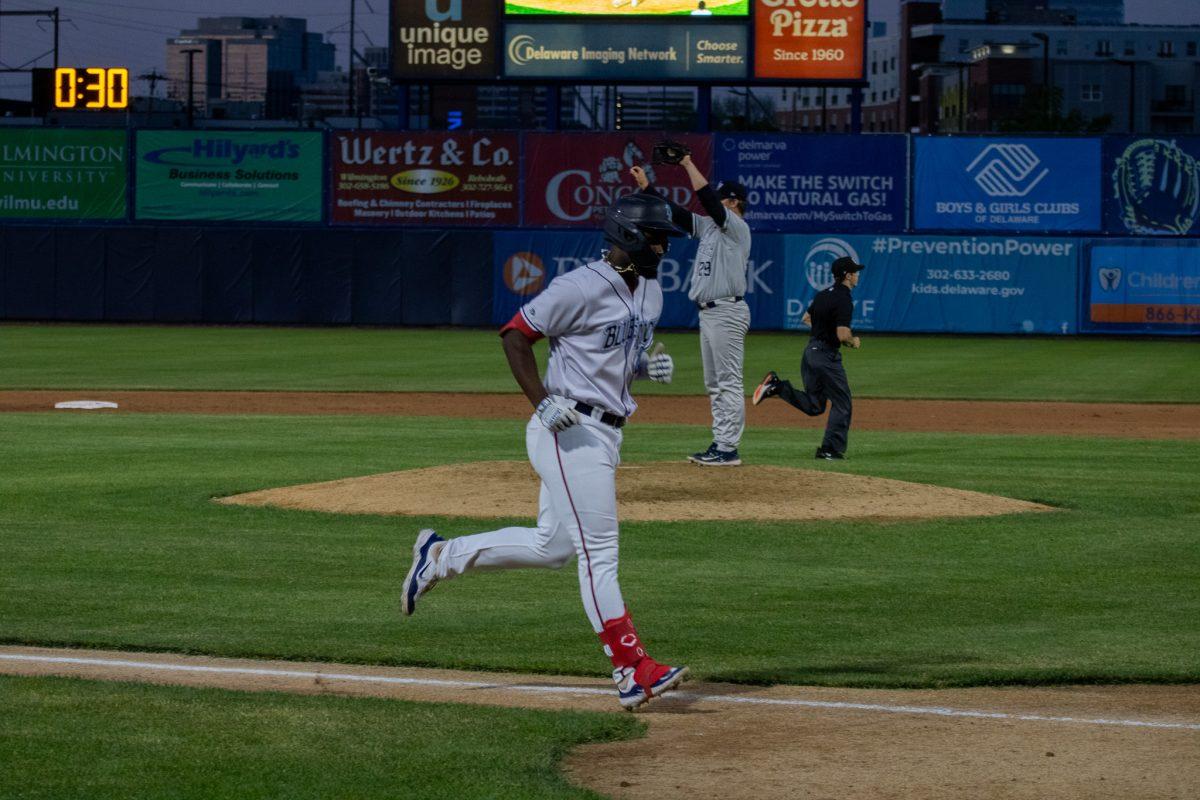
(668, 51)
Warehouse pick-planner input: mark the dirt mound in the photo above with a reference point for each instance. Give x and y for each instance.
(660, 491)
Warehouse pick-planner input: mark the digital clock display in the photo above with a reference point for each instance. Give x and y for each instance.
(91, 87)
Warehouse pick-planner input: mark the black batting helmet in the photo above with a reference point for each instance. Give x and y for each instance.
(627, 221)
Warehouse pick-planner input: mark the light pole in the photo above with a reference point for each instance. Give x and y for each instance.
(1045, 40)
(191, 108)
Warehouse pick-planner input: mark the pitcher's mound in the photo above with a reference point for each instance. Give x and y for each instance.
(659, 491)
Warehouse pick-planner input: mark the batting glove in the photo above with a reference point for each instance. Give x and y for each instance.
(555, 413)
(661, 368)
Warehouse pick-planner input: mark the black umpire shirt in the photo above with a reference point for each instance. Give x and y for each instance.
(830, 309)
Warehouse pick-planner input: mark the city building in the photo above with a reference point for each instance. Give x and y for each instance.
(251, 65)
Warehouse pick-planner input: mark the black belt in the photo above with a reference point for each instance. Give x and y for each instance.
(603, 416)
(713, 303)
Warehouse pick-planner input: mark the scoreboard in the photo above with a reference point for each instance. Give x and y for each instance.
(632, 41)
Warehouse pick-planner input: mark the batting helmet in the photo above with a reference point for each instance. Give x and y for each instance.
(628, 221)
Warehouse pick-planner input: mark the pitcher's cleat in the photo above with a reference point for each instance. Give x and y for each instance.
(655, 680)
(420, 578)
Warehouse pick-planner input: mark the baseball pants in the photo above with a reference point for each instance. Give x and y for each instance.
(824, 383)
(722, 349)
(577, 517)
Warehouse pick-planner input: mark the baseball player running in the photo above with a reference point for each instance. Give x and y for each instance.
(600, 321)
(717, 288)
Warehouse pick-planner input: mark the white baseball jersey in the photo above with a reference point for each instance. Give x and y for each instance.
(598, 331)
(721, 258)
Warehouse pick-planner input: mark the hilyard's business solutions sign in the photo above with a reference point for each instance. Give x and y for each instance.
(219, 175)
(819, 183)
(439, 39)
(662, 51)
(425, 178)
(571, 178)
(810, 39)
(62, 174)
(1030, 184)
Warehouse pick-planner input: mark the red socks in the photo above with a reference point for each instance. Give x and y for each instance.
(622, 645)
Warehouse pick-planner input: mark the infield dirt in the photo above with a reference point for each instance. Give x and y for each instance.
(729, 741)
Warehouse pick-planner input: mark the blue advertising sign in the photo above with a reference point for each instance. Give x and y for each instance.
(525, 261)
(608, 51)
(975, 183)
(819, 183)
(1142, 287)
(1152, 185)
(943, 284)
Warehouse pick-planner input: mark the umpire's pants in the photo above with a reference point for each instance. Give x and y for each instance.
(824, 381)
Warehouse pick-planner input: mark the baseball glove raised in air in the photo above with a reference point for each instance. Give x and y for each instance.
(669, 151)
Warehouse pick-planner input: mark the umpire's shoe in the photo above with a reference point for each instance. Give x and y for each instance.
(421, 577)
(768, 387)
(829, 455)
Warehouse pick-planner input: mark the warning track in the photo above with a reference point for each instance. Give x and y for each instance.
(730, 741)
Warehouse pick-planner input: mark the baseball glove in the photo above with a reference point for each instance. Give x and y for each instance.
(1158, 187)
(669, 151)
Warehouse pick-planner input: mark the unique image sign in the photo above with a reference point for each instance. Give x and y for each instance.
(1143, 287)
(62, 174)
(614, 51)
(632, 8)
(221, 175)
(819, 183)
(1155, 186)
(443, 39)
(1029, 184)
(425, 178)
(809, 39)
(570, 179)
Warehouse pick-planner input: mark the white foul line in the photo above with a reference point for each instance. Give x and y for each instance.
(586, 690)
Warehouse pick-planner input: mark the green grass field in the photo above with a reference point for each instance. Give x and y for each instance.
(110, 539)
(342, 359)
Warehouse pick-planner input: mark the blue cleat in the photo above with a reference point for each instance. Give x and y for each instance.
(420, 578)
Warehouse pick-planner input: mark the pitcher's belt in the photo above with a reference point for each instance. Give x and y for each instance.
(713, 303)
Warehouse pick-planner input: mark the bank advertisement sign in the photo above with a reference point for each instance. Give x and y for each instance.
(62, 174)
(440, 39)
(526, 261)
(571, 178)
(425, 178)
(221, 175)
(613, 51)
(983, 183)
(1152, 185)
(819, 183)
(1142, 287)
(628, 8)
(801, 40)
(943, 284)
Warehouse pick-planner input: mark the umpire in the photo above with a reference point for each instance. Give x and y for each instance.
(718, 287)
(821, 369)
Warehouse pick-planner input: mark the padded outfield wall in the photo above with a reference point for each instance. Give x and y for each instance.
(1046, 235)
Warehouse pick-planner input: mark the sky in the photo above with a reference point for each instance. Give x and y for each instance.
(133, 33)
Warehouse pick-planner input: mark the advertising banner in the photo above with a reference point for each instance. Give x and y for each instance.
(220, 175)
(1142, 287)
(440, 39)
(976, 183)
(943, 284)
(612, 51)
(571, 178)
(425, 178)
(526, 261)
(819, 183)
(1152, 186)
(62, 174)
(810, 39)
(628, 8)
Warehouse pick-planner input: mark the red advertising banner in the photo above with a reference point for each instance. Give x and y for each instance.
(570, 178)
(425, 178)
(809, 39)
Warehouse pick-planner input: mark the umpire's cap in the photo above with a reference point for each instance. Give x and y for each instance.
(844, 266)
(732, 190)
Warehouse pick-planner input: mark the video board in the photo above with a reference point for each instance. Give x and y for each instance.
(629, 8)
